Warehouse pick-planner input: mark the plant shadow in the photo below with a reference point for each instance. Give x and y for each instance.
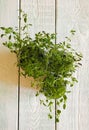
(9, 70)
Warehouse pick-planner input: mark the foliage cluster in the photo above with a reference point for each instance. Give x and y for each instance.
(51, 65)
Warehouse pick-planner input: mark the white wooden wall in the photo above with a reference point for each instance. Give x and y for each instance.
(70, 14)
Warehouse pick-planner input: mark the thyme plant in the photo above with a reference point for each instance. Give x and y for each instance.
(51, 65)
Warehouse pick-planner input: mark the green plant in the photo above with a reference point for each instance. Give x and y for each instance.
(51, 65)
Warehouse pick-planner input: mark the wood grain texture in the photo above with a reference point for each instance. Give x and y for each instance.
(83, 26)
(66, 22)
(8, 76)
(75, 15)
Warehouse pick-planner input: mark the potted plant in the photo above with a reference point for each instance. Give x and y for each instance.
(51, 65)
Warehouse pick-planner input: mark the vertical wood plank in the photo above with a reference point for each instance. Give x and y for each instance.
(83, 27)
(75, 14)
(66, 20)
(8, 75)
(32, 115)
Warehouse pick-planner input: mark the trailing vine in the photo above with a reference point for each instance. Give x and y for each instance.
(51, 65)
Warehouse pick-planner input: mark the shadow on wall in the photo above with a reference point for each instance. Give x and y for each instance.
(9, 70)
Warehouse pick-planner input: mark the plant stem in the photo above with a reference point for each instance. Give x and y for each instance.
(55, 115)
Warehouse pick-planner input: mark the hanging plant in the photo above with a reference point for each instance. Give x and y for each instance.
(51, 65)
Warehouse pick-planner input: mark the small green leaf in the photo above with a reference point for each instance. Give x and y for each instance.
(3, 28)
(65, 97)
(74, 79)
(9, 44)
(37, 94)
(30, 24)
(57, 120)
(50, 116)
(72, 84)
(41, 101)
(50, 103)
(79, 63)
(68, 91)
(2, 35)
(68, 40)
(46, 100)
(58, 112)
(25, 19)
(44, 104)
(58, 102)
(9, 37)
(72, 32)
(64, 106)
(5, 43)
(61, 100)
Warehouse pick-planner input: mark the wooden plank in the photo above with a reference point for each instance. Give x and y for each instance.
(65, 22)
(75, 14)
(8, 75)
(83, 27)
(32, 115)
